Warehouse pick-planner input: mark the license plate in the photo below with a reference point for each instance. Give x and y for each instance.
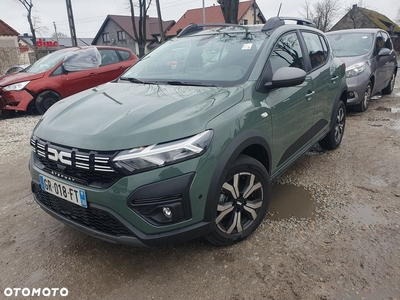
(63, 191)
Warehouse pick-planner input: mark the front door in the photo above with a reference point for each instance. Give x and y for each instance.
(292, 108)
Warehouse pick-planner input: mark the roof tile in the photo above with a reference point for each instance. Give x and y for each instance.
(6, 29)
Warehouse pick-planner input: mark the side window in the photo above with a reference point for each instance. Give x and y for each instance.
(315, 49)
(386, 40)
(124, 54)
(379, 43)
(108, 57)
(58, 71)
(286, 53)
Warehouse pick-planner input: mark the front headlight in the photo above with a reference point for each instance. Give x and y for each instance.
(355, 70)
(159, 155)
(16, 86)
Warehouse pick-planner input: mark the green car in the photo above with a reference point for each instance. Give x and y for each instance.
(187, 141)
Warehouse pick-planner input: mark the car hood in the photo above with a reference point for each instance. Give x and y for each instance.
(19, 77)
(117, 116)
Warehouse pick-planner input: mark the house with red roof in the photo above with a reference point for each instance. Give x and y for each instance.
(249, 13)
(118, 31)
(10, 53)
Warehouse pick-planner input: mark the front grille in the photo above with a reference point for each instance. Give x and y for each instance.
(90, 168)
(89, 217)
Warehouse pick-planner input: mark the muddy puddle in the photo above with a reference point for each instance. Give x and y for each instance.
(366, 215)
(288, 201)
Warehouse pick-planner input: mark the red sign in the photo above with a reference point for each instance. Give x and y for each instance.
(44, 43)
(23, 48)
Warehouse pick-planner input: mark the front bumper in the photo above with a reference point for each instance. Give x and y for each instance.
(15, 100)
(130, 211)
(356, 88)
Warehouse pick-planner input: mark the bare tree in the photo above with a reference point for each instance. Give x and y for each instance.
(160, 22)
(60, 35)
(230, 10)
(140, 33)
(397, 20)
(322, 12)
(39, 28)
(29, 6)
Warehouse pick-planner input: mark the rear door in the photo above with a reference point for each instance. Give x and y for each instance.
(326, 80)
(292, 108)
(111, 67)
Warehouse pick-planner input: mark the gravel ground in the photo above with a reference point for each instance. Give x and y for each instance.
(347, 246)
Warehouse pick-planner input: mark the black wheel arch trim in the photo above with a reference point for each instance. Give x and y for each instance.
(234, 149)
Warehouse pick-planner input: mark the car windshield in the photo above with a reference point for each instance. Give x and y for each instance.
(47, 62)
(351, 44)
(214, 59)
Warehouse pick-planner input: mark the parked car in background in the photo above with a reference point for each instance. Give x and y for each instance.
(186, 142)
(16, 69)
(61, 74)
(371, 64)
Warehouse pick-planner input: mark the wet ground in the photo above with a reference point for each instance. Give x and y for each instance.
(333, 232)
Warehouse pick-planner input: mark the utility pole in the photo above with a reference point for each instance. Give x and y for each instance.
(255, 12)
(71, 23)
(204, 14)
(55, 30)
(160, 21)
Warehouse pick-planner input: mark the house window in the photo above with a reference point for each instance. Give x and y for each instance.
(121, 36)
(243, 22)
(106, 37)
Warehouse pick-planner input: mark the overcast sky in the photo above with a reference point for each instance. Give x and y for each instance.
(90, 14)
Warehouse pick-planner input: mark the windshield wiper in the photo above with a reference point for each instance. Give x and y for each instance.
(135, 80)
(178, 82)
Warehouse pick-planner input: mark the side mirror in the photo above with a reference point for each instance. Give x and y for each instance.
(384, 52)
(286, 77)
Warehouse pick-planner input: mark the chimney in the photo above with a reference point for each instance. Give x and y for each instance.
(354, 6)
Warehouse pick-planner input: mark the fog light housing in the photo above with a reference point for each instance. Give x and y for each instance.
(351, 94)
(167, 212)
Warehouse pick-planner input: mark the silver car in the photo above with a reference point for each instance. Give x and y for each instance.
(371, 64)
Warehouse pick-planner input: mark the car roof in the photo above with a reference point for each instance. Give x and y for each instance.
(70, 49)
(355, 30)
(271, 24)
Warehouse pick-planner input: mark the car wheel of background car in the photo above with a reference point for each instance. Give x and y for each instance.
(243, 201)
(334, 137)
(363, 105)
(44, 100)
(389, 89)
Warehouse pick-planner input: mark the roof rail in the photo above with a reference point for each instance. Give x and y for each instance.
(279, 21)
(192, 28)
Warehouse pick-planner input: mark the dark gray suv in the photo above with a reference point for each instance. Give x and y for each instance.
(371, 64)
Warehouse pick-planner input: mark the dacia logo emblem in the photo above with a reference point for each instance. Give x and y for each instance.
(62, 156)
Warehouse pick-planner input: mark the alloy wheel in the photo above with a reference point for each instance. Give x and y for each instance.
(239, 203)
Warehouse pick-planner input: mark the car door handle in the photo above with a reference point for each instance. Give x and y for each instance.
(309, 95)
(333, 79)
(92, 74)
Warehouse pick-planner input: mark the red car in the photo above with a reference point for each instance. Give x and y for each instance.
(61, 74)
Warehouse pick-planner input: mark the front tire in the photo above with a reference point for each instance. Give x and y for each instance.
(389, 89)
(243, 201)
(363, 105)
(334, 137)
(45, 100)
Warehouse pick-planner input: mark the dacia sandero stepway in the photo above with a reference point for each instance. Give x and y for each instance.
(187, 141)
